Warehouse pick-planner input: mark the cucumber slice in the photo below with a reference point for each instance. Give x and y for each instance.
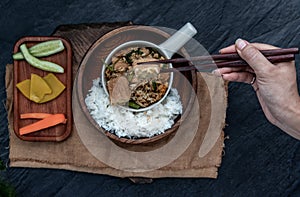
(42, 49)
(40, 64)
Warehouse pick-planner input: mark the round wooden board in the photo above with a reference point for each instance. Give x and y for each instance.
(91, 65)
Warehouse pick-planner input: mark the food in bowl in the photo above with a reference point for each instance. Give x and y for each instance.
(128, 124)
(138, 86)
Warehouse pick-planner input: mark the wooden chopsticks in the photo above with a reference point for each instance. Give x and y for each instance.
(237, 63)
(228, 59)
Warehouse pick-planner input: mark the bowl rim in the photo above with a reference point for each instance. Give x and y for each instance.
(136, 43)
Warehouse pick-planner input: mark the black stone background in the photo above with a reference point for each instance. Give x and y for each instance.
(260, 159)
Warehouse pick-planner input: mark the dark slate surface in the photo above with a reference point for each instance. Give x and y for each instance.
(260, 159)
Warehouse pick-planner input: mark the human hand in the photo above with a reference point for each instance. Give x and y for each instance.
(275, 84)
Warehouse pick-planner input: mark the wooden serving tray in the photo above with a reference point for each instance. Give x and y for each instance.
(62, 104)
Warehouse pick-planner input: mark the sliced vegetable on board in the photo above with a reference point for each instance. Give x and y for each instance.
(34, 115)
(42, 49)
(36, 88)
(47, 122)
(40, 64)
(24, 87)
(56, 86)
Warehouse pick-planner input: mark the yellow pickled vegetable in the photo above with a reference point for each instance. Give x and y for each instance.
(38, 88)
(24, 87)
(56, 86)
(41, 90)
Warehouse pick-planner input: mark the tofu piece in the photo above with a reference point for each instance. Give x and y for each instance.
(119, 91)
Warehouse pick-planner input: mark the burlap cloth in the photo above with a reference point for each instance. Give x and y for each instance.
(71, 154)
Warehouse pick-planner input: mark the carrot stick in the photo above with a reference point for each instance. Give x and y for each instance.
(49, 121)
(35, 115)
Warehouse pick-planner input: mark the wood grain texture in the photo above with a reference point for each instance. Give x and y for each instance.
(61, 104)
(83, 36)
(91, 66)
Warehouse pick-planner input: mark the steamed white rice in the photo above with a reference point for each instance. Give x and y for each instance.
(125, 123)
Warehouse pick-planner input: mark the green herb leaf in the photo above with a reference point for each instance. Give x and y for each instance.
(132, 104)
(154, 86)
(165, 66)
(139, 52)
(110, 67)
(128, 59)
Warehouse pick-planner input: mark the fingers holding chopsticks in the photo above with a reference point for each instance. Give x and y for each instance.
(243, 74)
(274, 81)
(238, 74)
(245, 77)
(226, 70)
(251, 53)
(253, 56)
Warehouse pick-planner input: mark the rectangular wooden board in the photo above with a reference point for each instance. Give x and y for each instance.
(61, 104)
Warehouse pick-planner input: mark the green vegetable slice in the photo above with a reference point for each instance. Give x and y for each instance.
(154, 86)
(40, 64)
(133, 105)
(110, 67)
(42, 49)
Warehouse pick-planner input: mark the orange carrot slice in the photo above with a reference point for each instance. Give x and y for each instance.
(34, 115)
(47, 122)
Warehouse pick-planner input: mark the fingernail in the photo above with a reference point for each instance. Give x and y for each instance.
(240, 44)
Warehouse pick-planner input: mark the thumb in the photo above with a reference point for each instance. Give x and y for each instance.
(252, 55)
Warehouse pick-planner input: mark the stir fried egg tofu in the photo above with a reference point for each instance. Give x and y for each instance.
(119, 91)
(129, 82)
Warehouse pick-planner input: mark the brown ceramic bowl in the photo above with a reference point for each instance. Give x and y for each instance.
(91, 67)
